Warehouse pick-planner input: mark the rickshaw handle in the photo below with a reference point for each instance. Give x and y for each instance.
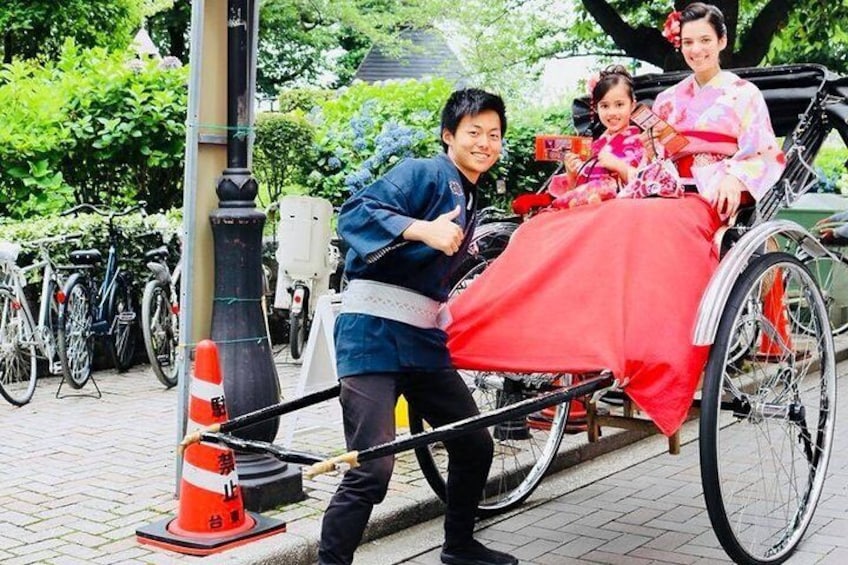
(261, 415)
(458, 428)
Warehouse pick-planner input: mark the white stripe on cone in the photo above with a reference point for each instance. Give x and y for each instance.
(203, 390)
(209, 480)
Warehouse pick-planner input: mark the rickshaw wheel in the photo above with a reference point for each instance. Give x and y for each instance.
(766, 429)
(522, 453)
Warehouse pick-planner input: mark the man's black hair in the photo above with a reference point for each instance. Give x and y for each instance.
(470, 102)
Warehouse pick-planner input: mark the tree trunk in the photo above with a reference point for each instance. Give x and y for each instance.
(8, 47)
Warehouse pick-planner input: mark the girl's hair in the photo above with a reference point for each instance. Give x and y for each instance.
(699, 11)
(608, 78)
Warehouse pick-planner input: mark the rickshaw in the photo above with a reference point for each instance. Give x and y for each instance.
(766, 418)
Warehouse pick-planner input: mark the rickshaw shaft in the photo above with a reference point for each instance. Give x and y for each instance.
(461, 427)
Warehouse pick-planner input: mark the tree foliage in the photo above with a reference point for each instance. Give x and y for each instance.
(89, 128)
(305, 42)
(32, 28)
(759, 31)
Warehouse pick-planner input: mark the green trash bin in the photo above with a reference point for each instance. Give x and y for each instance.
(809, 209)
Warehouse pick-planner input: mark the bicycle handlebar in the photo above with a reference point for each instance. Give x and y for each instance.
(52, 239)
(103, 212)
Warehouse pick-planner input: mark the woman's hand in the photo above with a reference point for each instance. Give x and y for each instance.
(442, 234)
(728, 196)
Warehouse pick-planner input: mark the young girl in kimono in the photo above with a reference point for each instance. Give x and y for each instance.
(614, 156)
(618, 286)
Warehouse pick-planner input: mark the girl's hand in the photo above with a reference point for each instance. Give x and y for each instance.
(618, 166)
(728, 196)
(572, 162)
(609, 161)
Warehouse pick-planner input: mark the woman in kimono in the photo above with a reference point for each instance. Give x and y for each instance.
(617, 286)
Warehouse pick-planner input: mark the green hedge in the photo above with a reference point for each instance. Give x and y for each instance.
(90, 127)
(138, 235)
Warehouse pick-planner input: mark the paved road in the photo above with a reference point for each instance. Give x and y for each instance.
(628, 507)
(79, 474)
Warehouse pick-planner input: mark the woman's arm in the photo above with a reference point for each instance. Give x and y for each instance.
(756, 165)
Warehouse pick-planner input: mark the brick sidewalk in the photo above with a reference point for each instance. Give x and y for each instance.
(80, 474)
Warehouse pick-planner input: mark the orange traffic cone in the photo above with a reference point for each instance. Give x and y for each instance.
(211, 515)
(577, 421)
(774, 310)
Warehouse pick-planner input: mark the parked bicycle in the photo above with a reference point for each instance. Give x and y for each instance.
(92, 308)
(24, 337)
(305, 262)
(160, 316)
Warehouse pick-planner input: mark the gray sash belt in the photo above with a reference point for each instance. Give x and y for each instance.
(391, 302)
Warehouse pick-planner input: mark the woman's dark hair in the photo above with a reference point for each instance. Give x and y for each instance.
(470, 102)
(610, 77)
(699, 11)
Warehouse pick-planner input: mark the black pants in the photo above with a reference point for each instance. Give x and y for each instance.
(368, 404)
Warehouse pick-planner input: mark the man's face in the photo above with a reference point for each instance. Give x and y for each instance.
(476, 145)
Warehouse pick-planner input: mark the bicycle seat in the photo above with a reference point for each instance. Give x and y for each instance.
(85, 257)
(158, 253)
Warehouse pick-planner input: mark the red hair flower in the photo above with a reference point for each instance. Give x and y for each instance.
(671, 29)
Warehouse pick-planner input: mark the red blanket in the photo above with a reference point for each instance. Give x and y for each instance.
(613, 286)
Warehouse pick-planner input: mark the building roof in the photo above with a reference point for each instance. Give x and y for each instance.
(143, 45)
(429, 56)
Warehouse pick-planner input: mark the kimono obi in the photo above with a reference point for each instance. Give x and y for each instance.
(704, 148)
(391, 302)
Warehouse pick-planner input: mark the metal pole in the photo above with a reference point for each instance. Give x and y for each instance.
(238, 319)
(198, 8)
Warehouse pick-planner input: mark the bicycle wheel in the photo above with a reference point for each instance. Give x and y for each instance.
(832, 277)
(51, 332)
(122, 316)
(18, 366)
(766, 431)
(746, 335)
(76, 340)
(159, 328)
(522, 453)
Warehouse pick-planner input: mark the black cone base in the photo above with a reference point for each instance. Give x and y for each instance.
(267, 483)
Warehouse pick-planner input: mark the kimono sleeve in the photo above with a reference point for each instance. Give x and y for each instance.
(759, 161)
(632, 151)
(372, 220)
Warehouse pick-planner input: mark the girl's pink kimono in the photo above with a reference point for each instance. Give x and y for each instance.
(617, 286)
(595, 183)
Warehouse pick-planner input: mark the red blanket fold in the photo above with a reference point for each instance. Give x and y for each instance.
(614, 286)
